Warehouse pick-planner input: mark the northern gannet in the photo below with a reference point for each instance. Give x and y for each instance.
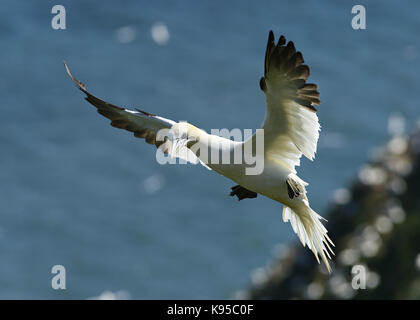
(290, 129)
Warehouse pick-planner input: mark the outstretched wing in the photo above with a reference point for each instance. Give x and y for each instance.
(154, 129)
(291, 126)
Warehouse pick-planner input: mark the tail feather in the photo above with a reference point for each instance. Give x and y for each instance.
(306, 223)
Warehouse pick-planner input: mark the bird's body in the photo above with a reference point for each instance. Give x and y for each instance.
(270, 182)
(290, 130)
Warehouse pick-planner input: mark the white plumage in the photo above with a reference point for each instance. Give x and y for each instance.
(291, 129)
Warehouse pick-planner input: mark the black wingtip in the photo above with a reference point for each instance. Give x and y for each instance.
(66, 67)
(291, 46)
(282, 40)
(263, 85)
(271, 36)
(285, 58)
(79, 84)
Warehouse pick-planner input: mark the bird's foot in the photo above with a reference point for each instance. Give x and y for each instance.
(293, 188)
(242, 193)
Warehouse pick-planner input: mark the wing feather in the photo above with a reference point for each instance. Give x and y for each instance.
(291, 126)
(142, 124)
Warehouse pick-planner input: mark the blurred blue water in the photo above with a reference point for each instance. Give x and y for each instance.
(76, 192)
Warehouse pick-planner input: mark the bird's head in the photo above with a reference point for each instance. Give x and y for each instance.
(185, 130)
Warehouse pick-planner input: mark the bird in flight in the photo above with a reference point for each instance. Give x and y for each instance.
(290, 130)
